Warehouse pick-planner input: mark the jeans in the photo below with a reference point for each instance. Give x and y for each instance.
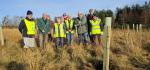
(69, 38)
(59, 42)
(83, 38)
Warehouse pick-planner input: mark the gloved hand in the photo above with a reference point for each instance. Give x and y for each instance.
(43, 31)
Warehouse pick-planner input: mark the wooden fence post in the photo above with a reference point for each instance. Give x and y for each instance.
(137, 27)
(141, 34)
(128, 27)
(1, 36)
(140, 27)
(107, 36)
(133, 27)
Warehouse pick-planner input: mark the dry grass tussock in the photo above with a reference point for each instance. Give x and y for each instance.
(129, 51)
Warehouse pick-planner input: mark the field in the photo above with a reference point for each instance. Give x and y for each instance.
(130, 50)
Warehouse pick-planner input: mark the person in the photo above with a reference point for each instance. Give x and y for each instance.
(90, 17)
(50, 38)
(59, 32)
(28, 30)
(64, 18)
(81, 27)
(69, 22)
(43, 29)
(95, 32)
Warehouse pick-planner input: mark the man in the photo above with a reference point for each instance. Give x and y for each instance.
(69, 22)
(81, 26)
(90, 17)
(27, 29)
(95, 31)
(43, 29)
(59, 32)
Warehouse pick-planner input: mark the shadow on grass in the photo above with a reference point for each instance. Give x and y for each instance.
(13, 65)
(146, 46)
(99, 65)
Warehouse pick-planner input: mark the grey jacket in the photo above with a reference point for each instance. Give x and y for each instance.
(81, 25)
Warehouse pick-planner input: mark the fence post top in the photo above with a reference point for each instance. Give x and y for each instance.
(108, 21)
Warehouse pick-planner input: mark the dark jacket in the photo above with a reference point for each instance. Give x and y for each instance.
(23, 29)
(89, 17)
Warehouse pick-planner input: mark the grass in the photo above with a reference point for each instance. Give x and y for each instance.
(129, 51)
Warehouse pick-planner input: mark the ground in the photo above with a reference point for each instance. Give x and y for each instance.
(130, 50)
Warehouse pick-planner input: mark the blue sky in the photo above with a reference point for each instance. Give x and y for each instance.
(57, 7)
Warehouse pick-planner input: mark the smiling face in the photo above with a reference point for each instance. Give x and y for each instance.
(29, 16)
(80, 15)
(58, 20)
(44, 16)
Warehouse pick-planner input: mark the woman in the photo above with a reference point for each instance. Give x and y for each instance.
(51, 29)
(59, 32)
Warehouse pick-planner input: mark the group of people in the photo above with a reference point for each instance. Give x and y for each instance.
(88, 28)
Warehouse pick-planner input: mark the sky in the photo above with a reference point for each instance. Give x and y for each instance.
(58, 7)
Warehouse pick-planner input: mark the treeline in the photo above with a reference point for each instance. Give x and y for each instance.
(104, 13)
(11, 21)
(135, 14)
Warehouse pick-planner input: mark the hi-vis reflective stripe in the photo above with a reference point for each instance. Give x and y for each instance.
(96, 28)
(30, 27)
(95, 24)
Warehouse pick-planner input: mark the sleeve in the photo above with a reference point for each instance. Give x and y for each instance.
(51, 24)
(53, 30)
(83, 20)
(64, 28)
(73, 25)
(89, 26)
(76, 22)
(21, 26)
(101, 26)
(39, 26)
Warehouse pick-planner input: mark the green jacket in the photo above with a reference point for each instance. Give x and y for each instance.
(81, 25)
(43, 26)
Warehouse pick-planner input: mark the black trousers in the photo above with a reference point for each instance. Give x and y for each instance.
(93, 39)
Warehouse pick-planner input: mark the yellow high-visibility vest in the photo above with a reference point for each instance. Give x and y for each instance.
(95, 29)
(69, 25)
(59, 30)
(30, 27)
